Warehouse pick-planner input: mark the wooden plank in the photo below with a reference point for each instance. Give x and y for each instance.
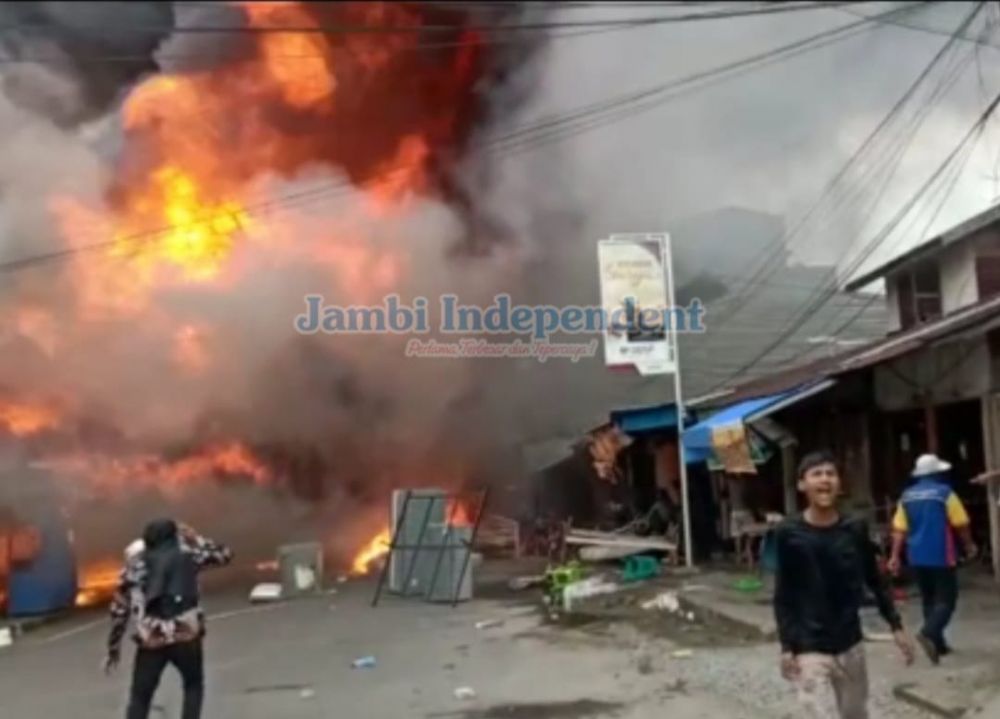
(597, 553)
(622, 541)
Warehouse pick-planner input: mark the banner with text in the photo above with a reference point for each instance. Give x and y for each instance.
(634, 272)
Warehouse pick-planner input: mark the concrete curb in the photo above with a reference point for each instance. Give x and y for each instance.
(910, 694)
(21, 626)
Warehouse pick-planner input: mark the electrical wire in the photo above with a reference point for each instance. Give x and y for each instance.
(917, 28)
(885, 232)
(770, 258)
(325, 29)
(949, 185)
(826, 292)
(331, 190)
(613, 110)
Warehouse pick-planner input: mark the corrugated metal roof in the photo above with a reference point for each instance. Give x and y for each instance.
(962, 231)
(973, 320)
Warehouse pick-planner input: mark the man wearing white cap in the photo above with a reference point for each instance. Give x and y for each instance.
(926, 521)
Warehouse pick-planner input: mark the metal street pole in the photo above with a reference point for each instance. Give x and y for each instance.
(679, 404)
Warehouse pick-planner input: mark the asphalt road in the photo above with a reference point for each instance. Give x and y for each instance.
(293, 660)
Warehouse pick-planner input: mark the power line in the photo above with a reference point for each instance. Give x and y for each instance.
(208, 56)
(527, 135)
(480, 41)
(765, 263)
(626, 106)
(949, 184)
(919, 28)
(823, 294)
(326, 29)
(884, 233)
(950, 188)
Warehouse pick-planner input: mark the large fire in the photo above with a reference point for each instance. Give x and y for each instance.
(118, 473)
(210, 194)
(376, 106)
(96, 582)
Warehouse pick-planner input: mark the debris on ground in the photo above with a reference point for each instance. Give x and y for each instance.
(489, 624)
(342, 579)
(363, 663)
(606, 554)
(639, 568)
(465, 693)
(519, 584)
(558, 578)
(584, 589)
(748, 584)
(576, 709)
(682, 654)
(266, 592)
(6, 637)
(666, 601)
(307, 693)
(608, 539)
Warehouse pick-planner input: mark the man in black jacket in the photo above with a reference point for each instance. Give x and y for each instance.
(825, 561)
(158, 591)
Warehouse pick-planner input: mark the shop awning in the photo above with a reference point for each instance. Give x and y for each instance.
(645, 419)
(698, 445)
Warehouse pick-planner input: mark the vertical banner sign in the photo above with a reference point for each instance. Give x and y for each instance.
(635, 272)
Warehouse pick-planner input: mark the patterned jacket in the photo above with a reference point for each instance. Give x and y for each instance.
(129, 601)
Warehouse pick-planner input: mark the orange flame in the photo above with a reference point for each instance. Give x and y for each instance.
(201, 147)
(224, 461)
(458, 514)
(297, 62)
(23, 419)
(377, 546)
(96, 582)
(197, 235)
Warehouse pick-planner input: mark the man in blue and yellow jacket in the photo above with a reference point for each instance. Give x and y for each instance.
(927, 519)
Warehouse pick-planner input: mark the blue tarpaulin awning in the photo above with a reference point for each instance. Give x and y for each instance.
(635, 420)
(698, 439)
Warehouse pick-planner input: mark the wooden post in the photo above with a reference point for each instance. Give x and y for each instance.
(789, 480)
(992, 498)
(930, 422)
(991, 448)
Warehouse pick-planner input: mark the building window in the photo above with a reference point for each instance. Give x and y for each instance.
(988, 275)
(919, 295)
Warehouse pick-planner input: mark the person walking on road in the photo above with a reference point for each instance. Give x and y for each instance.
(927, 519)
(158, 589)
(825, 561)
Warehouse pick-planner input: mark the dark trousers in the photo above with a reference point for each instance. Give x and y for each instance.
(148, 668)
(939, 591)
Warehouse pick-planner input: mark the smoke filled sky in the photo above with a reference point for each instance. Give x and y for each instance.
(769, 139)
(294, 146)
